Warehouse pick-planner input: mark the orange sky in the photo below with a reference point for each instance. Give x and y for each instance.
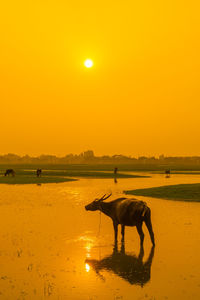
(142, 97)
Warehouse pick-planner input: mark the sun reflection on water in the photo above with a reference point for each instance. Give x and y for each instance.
(87, 267)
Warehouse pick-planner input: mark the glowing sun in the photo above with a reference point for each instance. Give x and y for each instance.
(88, 63)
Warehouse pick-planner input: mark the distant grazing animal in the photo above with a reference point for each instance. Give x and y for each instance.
(167, 173)
(9, 172)
(127, 212)
(39, 172)
(129, 267)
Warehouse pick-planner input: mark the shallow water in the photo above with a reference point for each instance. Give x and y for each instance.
(52, 248)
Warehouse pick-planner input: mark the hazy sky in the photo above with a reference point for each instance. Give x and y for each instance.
(142, 97)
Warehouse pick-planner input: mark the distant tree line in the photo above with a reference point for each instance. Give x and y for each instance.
(88, 157)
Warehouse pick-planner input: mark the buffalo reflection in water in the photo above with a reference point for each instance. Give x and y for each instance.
(129, 267)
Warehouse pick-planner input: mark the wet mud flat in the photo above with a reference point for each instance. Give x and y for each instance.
(51, 248)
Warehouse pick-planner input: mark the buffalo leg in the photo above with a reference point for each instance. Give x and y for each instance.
(141, 254)
(123, 231)
(115, 225)
(147, 221)
(141, 233)
(149, 226)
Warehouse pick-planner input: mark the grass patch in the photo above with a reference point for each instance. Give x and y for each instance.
(32, 180)
(92, 174)
(27, 176)
(73, 173)
(179, 192)
(178, 172)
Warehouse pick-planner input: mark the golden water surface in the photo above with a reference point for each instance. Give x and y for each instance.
(51, 248)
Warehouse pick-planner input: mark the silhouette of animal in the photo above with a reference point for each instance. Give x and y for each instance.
(39, 172)
(129, 267)
(127, 212)
(115, 170)
(9, 172)
(167, 173)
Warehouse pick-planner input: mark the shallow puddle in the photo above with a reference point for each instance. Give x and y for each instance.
(52, 248)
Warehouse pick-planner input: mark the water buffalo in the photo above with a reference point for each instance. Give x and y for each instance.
(167, 173)
(39, 172)
(9, 172)
(127, 212)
